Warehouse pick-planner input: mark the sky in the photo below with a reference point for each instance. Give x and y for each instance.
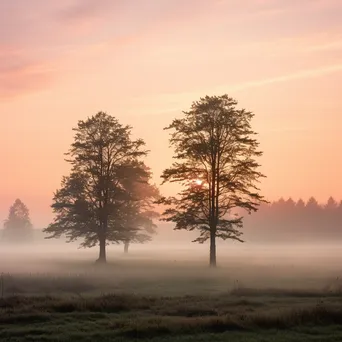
(145, 61)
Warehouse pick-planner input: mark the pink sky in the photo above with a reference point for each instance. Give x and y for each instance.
(144, 61)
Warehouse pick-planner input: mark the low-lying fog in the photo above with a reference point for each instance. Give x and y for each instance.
(171, 267)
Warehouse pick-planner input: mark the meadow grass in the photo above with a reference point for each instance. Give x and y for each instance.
(139, 298)
(123, 317)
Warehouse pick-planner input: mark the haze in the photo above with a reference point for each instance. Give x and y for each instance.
(146, 61)
(96, 66)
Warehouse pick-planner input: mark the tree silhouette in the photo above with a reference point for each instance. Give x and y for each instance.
(18, 227)
(215, 151)
(312, 204)
(330, 217)
(146, 195)
(300, 205)
(331, 204)
(290, 204)
(96, 201)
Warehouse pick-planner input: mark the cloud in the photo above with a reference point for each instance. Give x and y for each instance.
(23, 78)
(177, 101)
(87, 10)
(327, 4)
(303, 74)
(21, 73)
(49, 35)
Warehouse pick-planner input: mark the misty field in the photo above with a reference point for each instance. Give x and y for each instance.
(257, 294)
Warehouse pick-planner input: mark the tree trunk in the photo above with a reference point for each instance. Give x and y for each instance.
(102, 255)
(126, 247)
(212, 249)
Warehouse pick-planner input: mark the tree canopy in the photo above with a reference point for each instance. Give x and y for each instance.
(99, 201)
(215, 152)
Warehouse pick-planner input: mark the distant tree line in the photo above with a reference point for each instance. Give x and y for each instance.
(289, 220)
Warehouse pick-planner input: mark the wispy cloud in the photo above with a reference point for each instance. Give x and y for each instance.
(332, 45)
(86, 9)
(25, 78)
(165, 34)
(302, 74)
(177, 101)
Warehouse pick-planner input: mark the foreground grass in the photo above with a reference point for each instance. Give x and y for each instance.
(257, 316)
(139, 298)
(331, 334)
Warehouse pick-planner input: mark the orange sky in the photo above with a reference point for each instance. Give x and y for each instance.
(144, 61)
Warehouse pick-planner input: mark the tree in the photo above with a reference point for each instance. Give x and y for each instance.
(312, 205)
(18, 226)
(290, 204)
(215, 151)
(146, 195)
(313, 216)
(331, 219)
(300, 205)
(279, 206)
(299, 219)
(331, 204)
(95, 202)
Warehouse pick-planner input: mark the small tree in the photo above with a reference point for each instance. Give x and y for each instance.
(95, 202)
(300, 205)
(331, 204)
(215, 151)
(312, 205)
(145, 195)
(18, 227)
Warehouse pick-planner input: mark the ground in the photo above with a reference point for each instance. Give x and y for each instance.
(271, 297)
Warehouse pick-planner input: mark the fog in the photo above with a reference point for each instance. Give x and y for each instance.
(168, 267)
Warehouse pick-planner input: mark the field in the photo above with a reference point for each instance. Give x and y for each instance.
(257, 294)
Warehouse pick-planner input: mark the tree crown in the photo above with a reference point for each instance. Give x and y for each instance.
(99, 196)
(215, 149)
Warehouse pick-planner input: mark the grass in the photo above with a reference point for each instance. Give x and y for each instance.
(166, 300)
(122, 317)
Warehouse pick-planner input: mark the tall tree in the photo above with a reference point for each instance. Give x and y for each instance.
(94, 202)
(18, 226)
(215, 151)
